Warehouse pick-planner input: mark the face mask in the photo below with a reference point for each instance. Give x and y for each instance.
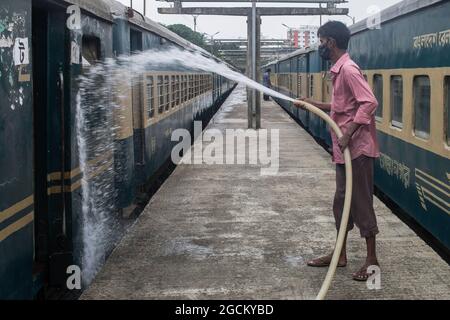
(325, 52)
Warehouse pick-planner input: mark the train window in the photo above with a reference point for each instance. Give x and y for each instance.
(421, 97)
(185, 93)
(167, 92)
(182, 85)
(202, 84)
(447, 109)
(174, 92)
(90, 50)
(161, 94)
(150, 102)
(311, 86)
(378, 92)
(178, 90)
(197, 85)
(191, 87)
(135, 41)
(299, 84)
(290, 82)
(397, 101)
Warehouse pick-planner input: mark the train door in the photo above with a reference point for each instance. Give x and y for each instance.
(139, 118)
(50, 42)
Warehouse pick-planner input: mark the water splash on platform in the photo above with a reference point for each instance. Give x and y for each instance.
(103, 107)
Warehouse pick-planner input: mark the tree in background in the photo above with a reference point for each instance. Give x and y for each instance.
(189, 34)
(199, 39)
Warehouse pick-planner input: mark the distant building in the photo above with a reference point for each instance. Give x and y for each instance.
(303, 37)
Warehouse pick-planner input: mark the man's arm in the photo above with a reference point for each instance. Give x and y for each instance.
(321, 105)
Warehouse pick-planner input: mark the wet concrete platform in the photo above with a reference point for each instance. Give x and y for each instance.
(227, 232)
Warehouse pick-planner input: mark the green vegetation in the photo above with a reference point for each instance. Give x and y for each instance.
(200, 39)
(189, 34)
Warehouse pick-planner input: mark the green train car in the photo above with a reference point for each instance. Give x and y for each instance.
(41, 59)
(408, 69)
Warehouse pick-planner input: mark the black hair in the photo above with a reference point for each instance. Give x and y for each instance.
(336, 30)
(269, 70)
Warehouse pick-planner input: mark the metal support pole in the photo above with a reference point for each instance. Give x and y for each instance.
(195, 23)
(254, 63)
(249, 71)
(258, 72)
(253, 53)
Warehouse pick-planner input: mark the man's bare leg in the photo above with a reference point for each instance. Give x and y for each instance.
(326, 260)
(371, 260)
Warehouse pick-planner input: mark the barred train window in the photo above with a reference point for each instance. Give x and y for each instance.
(378, 92)
(178, 90)
(197, 85)
(160, 94)
(397, 101)
(191, 87)
(421, 97)
(311, 86)
(166, 88)
(183, 86)
(150, 103)
(174, 97)
(447, 109)
(185, 90)
(289, 82)
(299, 84)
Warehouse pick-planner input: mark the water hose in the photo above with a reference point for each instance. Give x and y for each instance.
(347, 202)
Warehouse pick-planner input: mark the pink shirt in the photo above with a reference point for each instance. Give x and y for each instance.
(353, 101)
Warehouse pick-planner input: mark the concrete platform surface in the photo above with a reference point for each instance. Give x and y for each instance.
(227, 232)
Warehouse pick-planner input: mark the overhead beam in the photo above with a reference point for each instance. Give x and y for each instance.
(262, 49)
(262, 11)
(227, 40)
(267, 1)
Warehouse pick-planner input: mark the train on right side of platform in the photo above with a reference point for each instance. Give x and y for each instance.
(406, 61)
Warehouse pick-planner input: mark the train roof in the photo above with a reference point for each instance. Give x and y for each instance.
(293, 54)
(111, 9)
(95, 7)
(397, 10)
(118, 10)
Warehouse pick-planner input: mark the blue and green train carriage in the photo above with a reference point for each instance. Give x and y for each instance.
(40, 175)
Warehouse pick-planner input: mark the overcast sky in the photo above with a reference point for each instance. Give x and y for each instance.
(235, 27)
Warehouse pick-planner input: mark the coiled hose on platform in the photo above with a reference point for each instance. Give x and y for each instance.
(347, 202)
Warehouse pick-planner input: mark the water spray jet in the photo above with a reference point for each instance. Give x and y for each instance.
(98, 229)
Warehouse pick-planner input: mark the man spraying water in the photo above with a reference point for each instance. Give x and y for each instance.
(352, 107)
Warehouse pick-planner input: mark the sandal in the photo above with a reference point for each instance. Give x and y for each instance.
(362, 274)
(324, 262)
